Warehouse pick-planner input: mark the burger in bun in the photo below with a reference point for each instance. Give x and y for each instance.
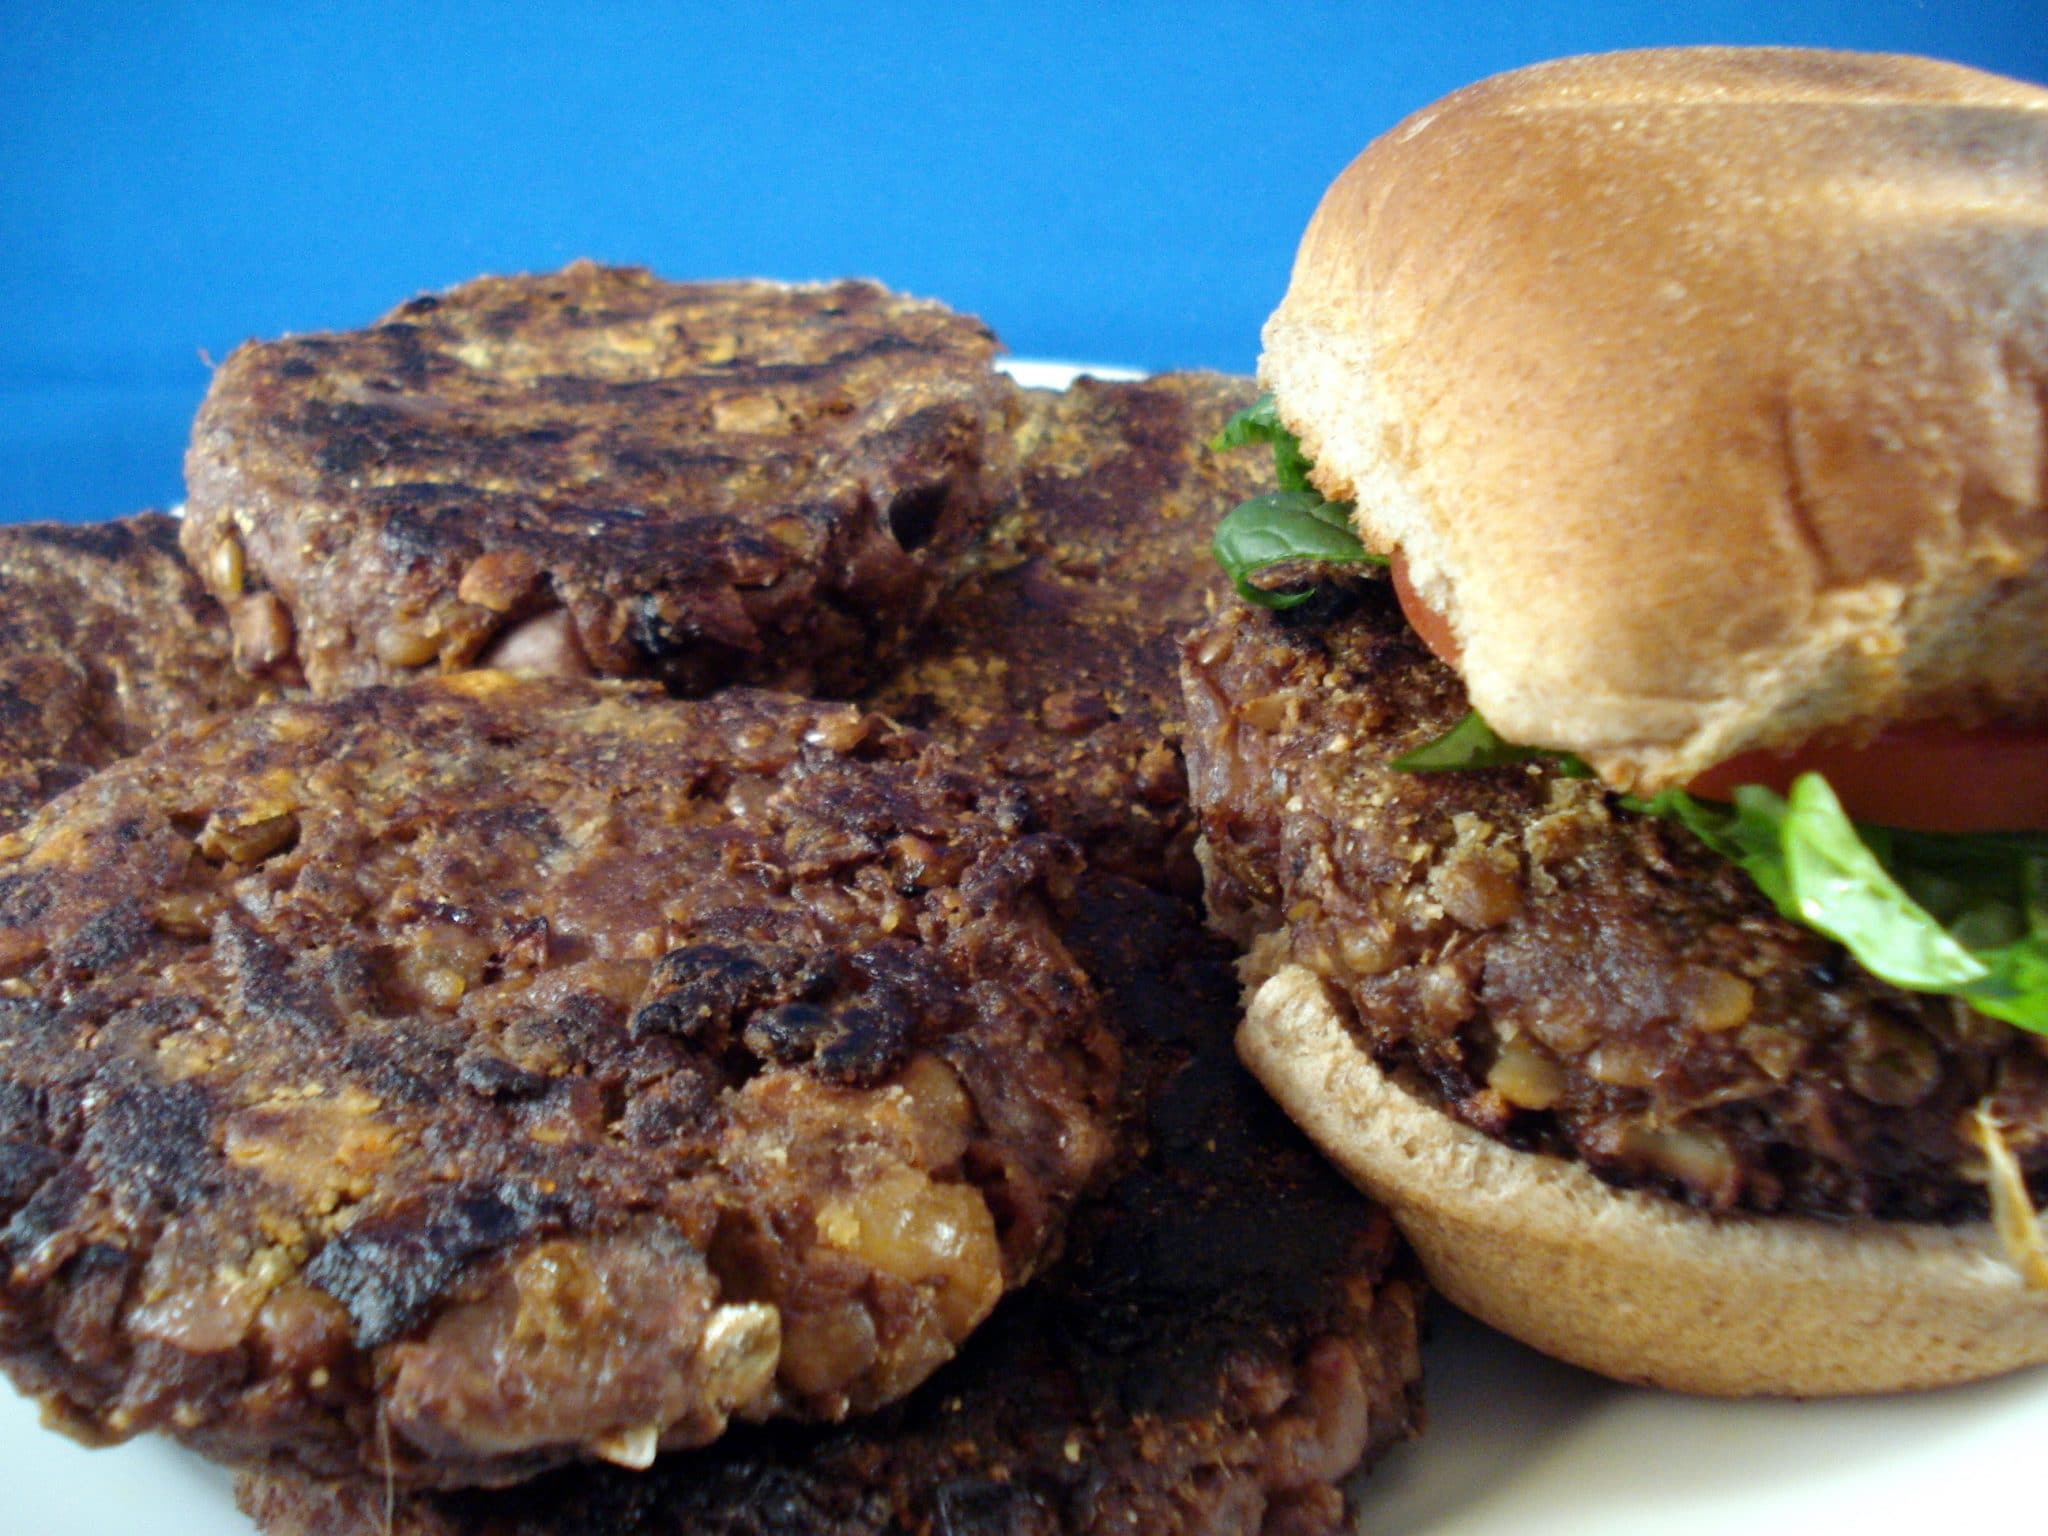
(1629, 778)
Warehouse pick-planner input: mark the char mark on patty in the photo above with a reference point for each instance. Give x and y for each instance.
(1228, 1336)
(597, 471)
(461, 1079)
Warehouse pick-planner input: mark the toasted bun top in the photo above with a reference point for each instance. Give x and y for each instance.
(1703, 391)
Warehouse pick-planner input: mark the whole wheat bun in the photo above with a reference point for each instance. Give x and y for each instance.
(1631, 1285)
(1705, 392)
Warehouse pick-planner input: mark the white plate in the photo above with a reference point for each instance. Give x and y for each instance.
(1045, 373)
(1517, 1445)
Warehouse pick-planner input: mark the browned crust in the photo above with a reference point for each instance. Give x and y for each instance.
(1637, 1287)
(459, 1079)
(1227, 1336)
(1704, 390)
(106, 642)
(716, 482)
(1056, 661)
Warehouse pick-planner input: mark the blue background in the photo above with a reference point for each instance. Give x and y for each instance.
(1122, 183)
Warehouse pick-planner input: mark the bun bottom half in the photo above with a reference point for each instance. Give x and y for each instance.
(1632, 1285)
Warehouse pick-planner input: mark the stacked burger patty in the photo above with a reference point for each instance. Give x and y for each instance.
(107, 641)
(752, 1110)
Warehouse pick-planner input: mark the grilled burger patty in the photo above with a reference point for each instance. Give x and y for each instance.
(1561, 974)
(595, 470)
(452, 1081)
(1227, 1336)
(106, 642)
(1056, 660)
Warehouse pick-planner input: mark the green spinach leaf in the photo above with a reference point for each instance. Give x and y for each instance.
(1958, 915)
(1260, 422)
(1472, 743)
(1279, 527)
(1291, 524)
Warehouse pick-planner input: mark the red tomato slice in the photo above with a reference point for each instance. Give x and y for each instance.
(1428, 624)
(1927, 778)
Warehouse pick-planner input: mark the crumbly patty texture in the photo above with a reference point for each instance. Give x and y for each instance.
(596, 470)
(1560, 973)
(450, 1081)
(1056, 661)
(1227, 1337)
(106, 642)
